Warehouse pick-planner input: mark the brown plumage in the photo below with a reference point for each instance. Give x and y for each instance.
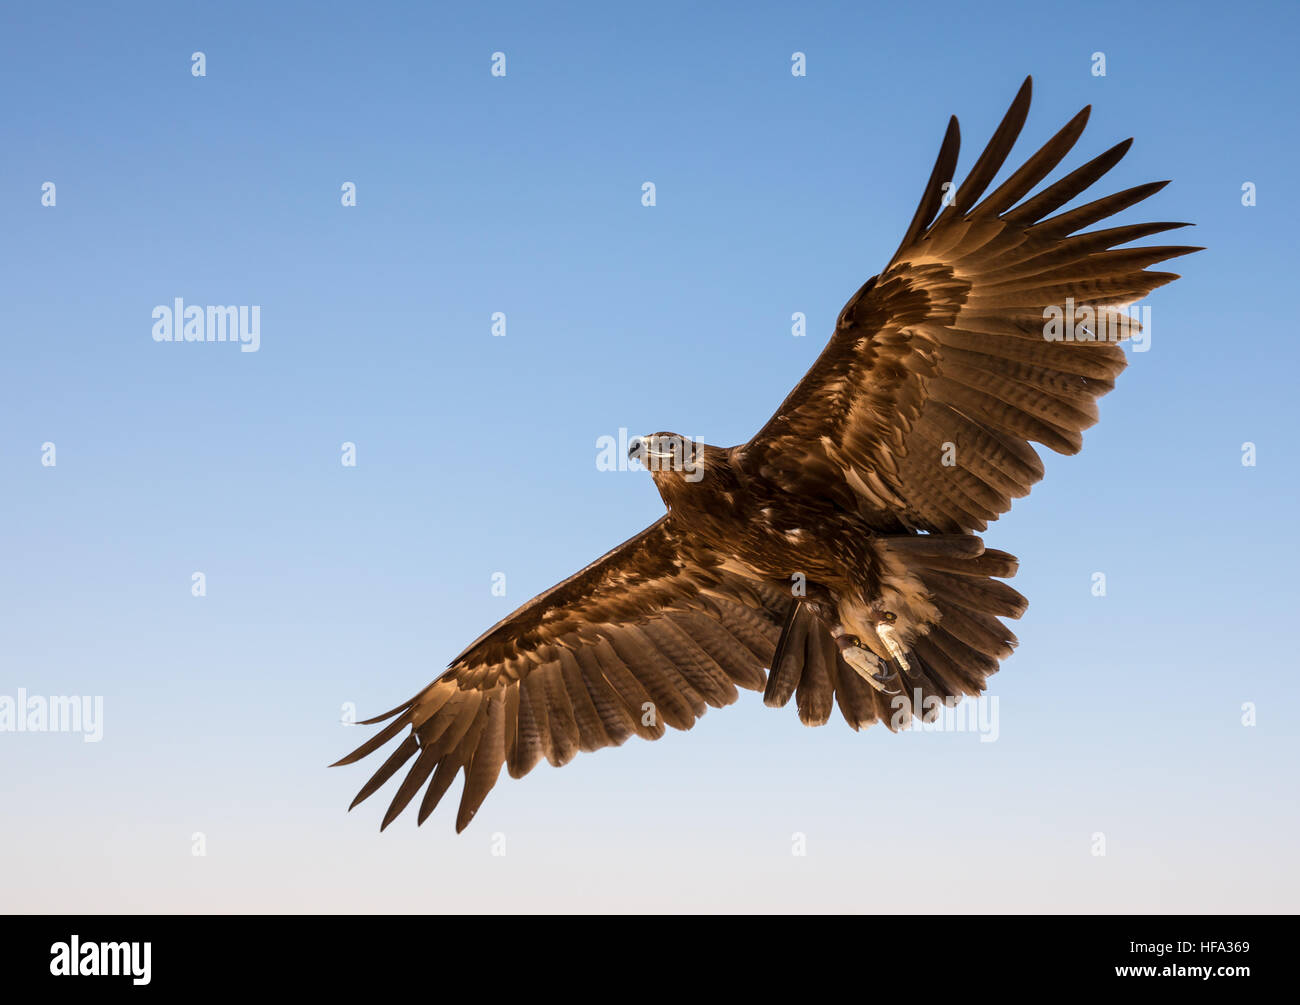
(837, 546)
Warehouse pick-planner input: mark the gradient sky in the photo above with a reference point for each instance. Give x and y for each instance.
(329, 585)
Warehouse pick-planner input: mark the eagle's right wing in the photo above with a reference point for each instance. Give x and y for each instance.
(646, 636)
(920, 411)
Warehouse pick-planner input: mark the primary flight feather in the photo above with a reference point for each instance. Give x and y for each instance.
(832, 558)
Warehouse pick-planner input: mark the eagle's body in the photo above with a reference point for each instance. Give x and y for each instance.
(804, 542)
(771, 533)
(836, 548)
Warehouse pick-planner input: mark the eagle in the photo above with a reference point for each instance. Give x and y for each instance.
(834, 557)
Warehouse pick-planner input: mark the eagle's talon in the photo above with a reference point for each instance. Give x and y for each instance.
(867, 665)
(887, 679)
(888, 636)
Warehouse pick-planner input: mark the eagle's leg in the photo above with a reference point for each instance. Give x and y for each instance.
(870, 667)
(881, 673)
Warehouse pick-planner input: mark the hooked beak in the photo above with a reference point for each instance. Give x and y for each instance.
(640, 448)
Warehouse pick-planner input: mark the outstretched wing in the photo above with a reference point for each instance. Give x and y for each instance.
(920, 410)
(645, 637)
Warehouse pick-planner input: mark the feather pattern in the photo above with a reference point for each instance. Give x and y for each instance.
(956, 323)
(658, 652)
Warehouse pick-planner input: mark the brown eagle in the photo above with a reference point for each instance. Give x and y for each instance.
(837, 546)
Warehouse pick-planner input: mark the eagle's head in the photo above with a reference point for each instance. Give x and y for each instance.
(674, 461)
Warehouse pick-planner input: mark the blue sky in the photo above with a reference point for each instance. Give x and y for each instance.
(328, 585)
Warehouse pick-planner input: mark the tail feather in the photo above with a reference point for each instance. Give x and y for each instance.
(787, 661)
(951, 656)
(963, 579)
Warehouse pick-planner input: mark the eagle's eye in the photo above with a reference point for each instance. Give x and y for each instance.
(889, 617)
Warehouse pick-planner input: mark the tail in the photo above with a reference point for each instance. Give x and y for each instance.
(951, 654)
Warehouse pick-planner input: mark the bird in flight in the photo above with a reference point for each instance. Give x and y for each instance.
(834, 557)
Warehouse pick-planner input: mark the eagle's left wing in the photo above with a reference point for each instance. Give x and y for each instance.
(920, 411)
(646, 636)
